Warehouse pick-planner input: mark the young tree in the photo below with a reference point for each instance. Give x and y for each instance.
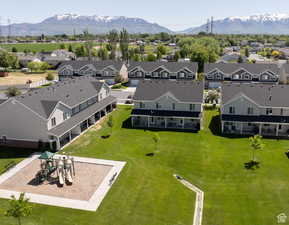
(70, 49)
(19, 208)
(177, 56)
(151, 57)
(110, 123)
(62, 46)
(102, 53)
(256, 145)
(156, 139)
(240, 59)
(247, 53)
(14, 49)
(50, 76)
(124, 42)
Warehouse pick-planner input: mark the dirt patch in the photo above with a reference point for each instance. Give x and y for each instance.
(87, 179)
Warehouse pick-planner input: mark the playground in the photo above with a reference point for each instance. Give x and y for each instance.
(61, 180)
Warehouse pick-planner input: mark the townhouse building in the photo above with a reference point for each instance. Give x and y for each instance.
(249, 109)
(217, 73)
(53, 116)
(105, 70)
(168, 104)
(161, 70)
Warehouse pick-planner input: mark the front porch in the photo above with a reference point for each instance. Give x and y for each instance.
(166, 122)
(253, 128)
(75, 131)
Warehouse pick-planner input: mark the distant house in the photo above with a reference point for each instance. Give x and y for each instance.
(50, 117)
(103, 70)
(232, 57)
(216, 73)
(248, 109)
(161, 70)
(168, 104)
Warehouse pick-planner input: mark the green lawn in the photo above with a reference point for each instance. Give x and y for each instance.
(147, 194)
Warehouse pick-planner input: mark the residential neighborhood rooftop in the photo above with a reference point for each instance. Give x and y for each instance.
(99, 65)
(262, 94)
(184, 91)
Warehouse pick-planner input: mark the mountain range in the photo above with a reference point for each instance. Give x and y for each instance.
(70, 23)
(255, 24)
(73, 23)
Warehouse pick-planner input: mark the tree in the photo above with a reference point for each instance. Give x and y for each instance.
(62, 46)
(213, 97)
(247, 53)
(162, 49)
(102, 53)
(70, 49)
(256, 145)
(50, 76)
(38, 66)
(12, 92)
(113, 38)
(156, 139)
(88, 44)
(124, 42)
(14, 49)
(19, 208)
(240, 59)
(8, 60)
(177, 56)
(110, 123)
(151, 57)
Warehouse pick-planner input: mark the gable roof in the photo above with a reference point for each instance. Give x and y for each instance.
(99, 65)
(43, 101)
(286, 67)
(265, 95)
(171, 66)
(253, 68)
(2, 101)
(184, 91)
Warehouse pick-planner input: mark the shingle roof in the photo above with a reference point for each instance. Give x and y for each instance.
(2, 101)
(81, 116)
(229, 68)
(184, 91)
(171, 66)
(263, 94)
(286, 67)
(99, 65)
(71, 93)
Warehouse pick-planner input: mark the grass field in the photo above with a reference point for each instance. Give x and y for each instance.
(37, 47)
(17, 78)
(147, 194)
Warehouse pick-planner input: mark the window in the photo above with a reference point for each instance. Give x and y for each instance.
(65, 115)
(100, 96)
(281, 112)
(192, 107)
(141, 105)
(152, 120)
(232, 110)
(174, 106)
(139, 74)
(53, 121)
(165, 74)
(155, 74)
(75, 110)
(268, 111)
(181, 75)
(249, 124)
(106, 73)
(4, 139)
(250, 111)
(158, 106)
(280, 127)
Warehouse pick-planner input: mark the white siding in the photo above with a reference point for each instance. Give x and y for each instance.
(58, 115)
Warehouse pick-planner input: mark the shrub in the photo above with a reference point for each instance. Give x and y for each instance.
(117, 86)
(50, 77)
(13, 91)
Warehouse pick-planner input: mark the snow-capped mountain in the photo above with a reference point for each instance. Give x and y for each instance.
(70, 23)
(255, 24)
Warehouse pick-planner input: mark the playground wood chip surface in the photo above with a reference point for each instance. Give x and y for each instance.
(87, 179)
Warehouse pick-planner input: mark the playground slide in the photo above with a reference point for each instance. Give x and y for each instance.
(60, 177)
(68, 176)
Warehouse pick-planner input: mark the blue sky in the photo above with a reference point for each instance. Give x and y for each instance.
(176, 15)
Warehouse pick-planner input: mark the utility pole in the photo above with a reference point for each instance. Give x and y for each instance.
(208, 26)
(212, 25)
(9, 30)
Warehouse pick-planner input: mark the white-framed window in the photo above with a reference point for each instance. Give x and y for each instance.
(269, 111)
(232, 110)
(53, 122)
(236, 77)
(250, 111)
(65, 116)
(192, 107)
(182, 75)
(139, 74)
(155, 74)
(165, 74)
(174, 106)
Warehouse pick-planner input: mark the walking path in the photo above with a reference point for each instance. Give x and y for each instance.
(199, 200)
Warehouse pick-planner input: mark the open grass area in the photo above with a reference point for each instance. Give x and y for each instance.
(146, 193)
(37, 47)
(18, 78)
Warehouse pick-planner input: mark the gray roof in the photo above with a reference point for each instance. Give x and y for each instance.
(286, 67)
(171, 66)
(71, 93)
(184, 91)
(265, 95)
(99, 65)
(2, 101)
(253, 68)
(81, 116)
